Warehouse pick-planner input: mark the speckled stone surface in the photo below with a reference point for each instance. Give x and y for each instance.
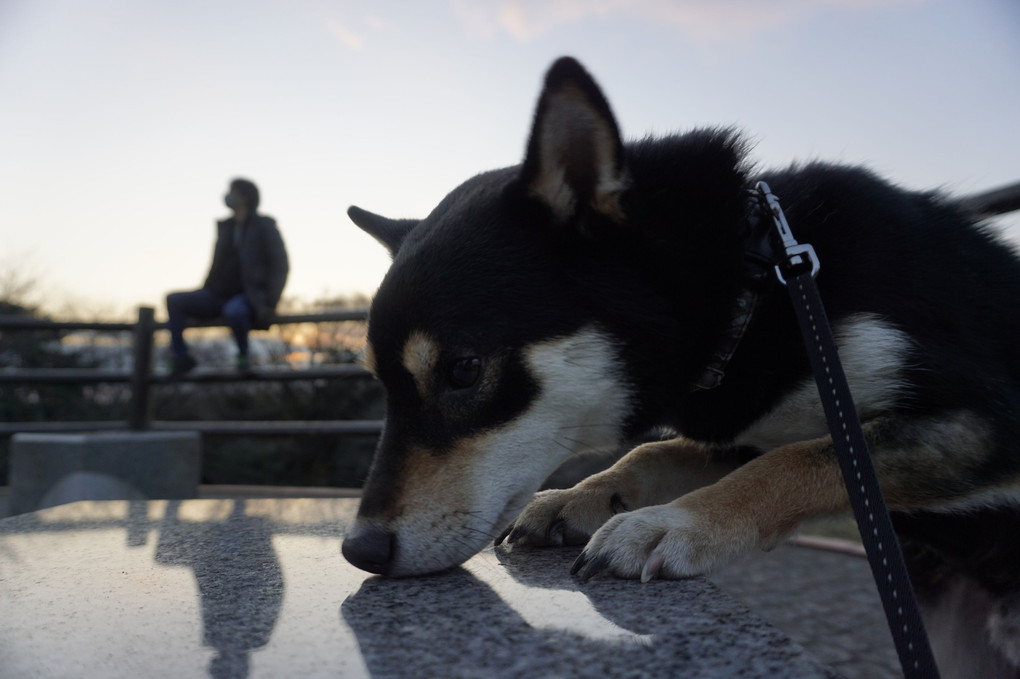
(239, 588)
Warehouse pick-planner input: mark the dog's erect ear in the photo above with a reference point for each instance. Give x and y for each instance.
(575, 156)
(389, 232)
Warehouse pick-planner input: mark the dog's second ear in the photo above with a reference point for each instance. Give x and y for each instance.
(574, 160)
(389, 232)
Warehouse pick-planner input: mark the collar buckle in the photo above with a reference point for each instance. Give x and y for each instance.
(798, 257)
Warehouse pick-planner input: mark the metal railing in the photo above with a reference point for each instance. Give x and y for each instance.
(141, 379)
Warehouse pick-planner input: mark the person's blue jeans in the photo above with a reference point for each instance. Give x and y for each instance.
(180, 306)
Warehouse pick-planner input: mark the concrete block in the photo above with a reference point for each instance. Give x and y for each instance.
(51, 469)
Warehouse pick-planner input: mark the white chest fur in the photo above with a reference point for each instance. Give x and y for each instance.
(872, 352)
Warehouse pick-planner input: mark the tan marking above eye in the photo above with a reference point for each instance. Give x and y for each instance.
(420, 356)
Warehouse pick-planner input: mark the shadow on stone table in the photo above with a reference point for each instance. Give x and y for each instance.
(240, 581)
(451, 624)
(690, 618)
(521, 614)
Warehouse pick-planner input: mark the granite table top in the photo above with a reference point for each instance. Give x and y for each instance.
(258, 588)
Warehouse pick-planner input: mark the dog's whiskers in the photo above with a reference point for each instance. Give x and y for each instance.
(576, 445)
(489, 533)
(591, 426)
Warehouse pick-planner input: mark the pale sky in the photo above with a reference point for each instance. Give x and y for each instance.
(122, 121)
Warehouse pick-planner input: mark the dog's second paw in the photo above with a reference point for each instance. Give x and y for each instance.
(555, 518)
(666, 541)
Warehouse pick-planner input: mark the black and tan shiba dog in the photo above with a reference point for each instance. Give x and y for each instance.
(575, 300)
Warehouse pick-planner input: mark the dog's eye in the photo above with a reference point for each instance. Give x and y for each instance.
(464, 372)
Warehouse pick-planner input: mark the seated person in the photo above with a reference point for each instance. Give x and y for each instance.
(248, 272)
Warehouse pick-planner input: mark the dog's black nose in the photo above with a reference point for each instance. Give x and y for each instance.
(370, 548)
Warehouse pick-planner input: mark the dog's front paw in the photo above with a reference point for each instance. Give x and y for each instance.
(666, 541)
(555, 518)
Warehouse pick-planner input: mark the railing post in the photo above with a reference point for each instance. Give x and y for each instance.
(139, 415)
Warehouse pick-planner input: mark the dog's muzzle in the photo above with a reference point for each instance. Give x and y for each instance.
(370, 548)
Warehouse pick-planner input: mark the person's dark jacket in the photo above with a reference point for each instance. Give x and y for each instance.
(257, 267)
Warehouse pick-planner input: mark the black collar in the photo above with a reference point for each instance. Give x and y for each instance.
(760, 258)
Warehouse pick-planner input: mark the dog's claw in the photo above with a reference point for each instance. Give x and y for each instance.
(652, 567)
(554, 534)
(579, 563)
(596, 566)
(588, 567)
(502, 536)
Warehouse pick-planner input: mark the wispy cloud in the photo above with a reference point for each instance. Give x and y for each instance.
(526, 20)
(346, 36)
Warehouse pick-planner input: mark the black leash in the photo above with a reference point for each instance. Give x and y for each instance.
(797, 271)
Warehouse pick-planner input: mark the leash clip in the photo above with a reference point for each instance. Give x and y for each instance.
(798, 256)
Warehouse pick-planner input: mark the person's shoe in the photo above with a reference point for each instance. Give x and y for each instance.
(244, 364)
(181, 365)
